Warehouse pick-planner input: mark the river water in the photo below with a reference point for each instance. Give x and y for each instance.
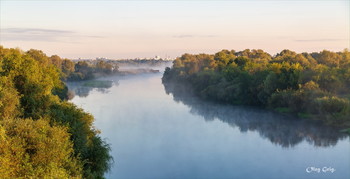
(158, 131)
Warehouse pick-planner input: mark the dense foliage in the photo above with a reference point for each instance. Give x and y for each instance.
(34, 149)
(312, 85)
(42, 136)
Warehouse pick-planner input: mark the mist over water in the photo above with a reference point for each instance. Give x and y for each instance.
(162, 131)
(160, 66)
(281, 129)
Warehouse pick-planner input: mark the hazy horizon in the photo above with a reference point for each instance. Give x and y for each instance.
(132, 29)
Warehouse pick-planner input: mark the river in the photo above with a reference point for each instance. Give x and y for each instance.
(158, 131)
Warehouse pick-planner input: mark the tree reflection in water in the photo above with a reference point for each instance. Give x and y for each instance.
(83, 88)
(280, 129)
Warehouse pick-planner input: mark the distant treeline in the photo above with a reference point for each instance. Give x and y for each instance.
(83, 70)
(312, 85)
(91, 69)
(142, 62)
(42, 135)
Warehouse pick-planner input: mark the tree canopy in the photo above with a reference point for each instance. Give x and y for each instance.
(41, 134)
(313, 85)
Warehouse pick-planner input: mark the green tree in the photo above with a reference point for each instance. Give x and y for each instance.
(56, 60)
(316, 84)
(34, 149)
(36, 125)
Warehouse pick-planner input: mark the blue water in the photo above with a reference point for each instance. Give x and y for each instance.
(155, 135)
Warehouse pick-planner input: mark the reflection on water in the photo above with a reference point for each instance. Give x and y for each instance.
(283, 130)
(157, 135)
(83, 88)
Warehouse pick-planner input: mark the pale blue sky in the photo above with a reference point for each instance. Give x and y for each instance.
(128, 29)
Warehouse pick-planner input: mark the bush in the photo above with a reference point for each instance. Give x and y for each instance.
(331, 105)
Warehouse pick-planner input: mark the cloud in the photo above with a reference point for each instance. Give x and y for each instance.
(38, 34)
(193, 36)
(95, 36)
(35, 31)
(183, 36)
(319, 40)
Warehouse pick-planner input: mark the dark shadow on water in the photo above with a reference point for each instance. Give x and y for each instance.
(280, 129)
(83, 88)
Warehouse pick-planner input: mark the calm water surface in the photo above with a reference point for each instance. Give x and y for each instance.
(158, 131)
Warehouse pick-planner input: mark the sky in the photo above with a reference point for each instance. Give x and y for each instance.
(137, 29)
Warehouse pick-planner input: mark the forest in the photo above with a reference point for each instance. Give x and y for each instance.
(309, 85)
(42, 135)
